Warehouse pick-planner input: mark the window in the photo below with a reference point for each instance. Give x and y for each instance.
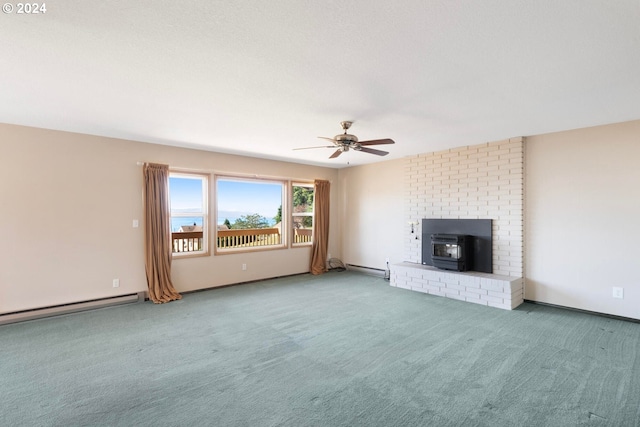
(302, 213)
(249, 214)
(189, 213)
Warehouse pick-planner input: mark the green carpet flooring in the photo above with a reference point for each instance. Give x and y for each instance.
(342, 349)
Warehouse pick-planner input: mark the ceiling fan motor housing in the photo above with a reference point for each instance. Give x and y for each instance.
(345, 138)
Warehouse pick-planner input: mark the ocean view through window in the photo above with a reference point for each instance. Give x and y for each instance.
(248, 213)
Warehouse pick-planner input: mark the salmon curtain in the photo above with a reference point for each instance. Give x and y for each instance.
(157, 230)
(320, 227)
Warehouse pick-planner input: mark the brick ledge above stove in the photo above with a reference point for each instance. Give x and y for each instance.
(479, 288)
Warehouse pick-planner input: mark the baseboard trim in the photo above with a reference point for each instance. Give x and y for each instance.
(579, 310)
(366, 270)
(228, 285)
(57, 310)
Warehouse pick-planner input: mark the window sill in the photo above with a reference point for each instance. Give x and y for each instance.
(245, 250)
(302, 245)
(183, 255)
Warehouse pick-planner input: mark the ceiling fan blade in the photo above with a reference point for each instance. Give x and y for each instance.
(336, 154)
(328, 139)
(318, 146)
(372, 151)
(377, 142)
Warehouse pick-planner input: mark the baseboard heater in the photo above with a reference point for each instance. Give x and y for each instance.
(57, 310)
(366, 270)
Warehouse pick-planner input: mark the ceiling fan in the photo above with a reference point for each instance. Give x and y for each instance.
(346, 142)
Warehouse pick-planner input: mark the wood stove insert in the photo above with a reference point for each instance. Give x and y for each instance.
(478, 240)
(451, 251)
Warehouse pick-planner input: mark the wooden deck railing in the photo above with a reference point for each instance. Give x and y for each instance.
(187, 241)
(302, 235)
(191, 241)
(248, 237)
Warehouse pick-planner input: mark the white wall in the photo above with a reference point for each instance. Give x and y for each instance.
(372, 212)
(67, 205)
(583, 218)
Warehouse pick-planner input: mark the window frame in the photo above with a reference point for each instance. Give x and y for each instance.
(206, 206)
(284, 234)
(292, 214)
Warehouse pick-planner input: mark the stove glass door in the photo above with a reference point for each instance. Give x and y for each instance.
(447, 250)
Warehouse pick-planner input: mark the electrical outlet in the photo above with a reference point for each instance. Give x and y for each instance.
(116, 283)
(244, 267)
(618, 292)
(328, 256)
(136, 223)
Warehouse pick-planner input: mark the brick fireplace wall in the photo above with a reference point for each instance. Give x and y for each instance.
(482, 181)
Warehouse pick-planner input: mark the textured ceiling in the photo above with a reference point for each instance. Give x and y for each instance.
(260, 78)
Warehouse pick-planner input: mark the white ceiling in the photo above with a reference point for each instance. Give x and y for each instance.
(260, 78)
